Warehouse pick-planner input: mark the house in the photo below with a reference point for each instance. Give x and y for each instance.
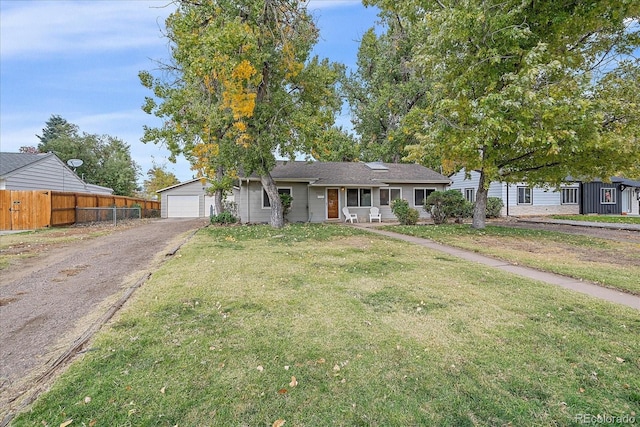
(620, 196)
(574, 197)
(187, 199)
(42, 171)
(321, 189)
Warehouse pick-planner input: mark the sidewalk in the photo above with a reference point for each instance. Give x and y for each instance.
(531, 273)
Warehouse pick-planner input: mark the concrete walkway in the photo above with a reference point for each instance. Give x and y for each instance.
(531, 273)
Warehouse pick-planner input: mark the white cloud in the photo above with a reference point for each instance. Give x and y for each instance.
(34, 28)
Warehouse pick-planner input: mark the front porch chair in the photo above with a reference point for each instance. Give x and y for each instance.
(374, 213)
(348, 216)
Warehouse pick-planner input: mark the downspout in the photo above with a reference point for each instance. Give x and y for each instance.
(507, 200)
(309, 214)
(248, 204)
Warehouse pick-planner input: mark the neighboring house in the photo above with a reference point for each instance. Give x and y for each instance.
(42, 171)
(187, 200)
(620, 196)
(321, 189)
(573, 197)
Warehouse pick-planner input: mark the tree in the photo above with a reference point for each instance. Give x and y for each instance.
(106, 160)
(56, 128)
(384, 88)
(116, 169)
(521, 91)
(158, 177)
(242, 88)
(336, 145)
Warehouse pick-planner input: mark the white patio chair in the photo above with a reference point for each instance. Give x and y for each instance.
(374, 213)
(348, 216)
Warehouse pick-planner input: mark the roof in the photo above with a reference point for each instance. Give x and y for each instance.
(180, 184)
(11, 162)
(626, 181)
(375, 174)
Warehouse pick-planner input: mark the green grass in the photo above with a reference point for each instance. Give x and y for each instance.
(616, 219)
(376, 332)
(609, 263)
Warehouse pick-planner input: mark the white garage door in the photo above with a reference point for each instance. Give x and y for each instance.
(183, 206)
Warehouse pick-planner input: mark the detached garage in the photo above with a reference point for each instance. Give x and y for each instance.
(186, 200)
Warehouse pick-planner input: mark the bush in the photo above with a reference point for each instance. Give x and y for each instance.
(286, 200)
(405, 214)
(443, 205)
(224, 217)
(494, 206)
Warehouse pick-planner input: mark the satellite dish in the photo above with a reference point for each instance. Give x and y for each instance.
(74, 163)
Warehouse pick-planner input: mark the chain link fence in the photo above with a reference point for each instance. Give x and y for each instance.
(111, 214)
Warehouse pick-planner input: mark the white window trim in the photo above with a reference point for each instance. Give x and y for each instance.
(264, 194)
(530, 202)
(360, 205)
(415, 204)
(473, 194)
(573, 190)
(389, 189)
(613, 193)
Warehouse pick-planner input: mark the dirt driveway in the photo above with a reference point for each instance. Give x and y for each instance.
(48, 301)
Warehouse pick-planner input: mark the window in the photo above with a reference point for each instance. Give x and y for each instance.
(420, 195)
(608, 196)
(524, 195)
(388, 195)
(358, 197)
(265, 198)
(470, 194)
(570, 196)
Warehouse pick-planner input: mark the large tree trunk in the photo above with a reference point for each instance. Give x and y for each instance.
(480, 209)
(269, 185)
(217, 195)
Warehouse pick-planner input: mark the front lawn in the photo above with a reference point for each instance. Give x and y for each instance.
(609, 263)
(319, 325)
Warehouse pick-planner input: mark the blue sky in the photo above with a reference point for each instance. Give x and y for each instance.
(80, 60)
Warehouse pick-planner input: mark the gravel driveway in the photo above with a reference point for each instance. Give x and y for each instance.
(47, 302)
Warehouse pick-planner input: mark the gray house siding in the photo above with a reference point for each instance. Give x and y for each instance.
(188, 190)
(250, 202)
(541, 201)
(310, 202)
(593, 198)
(48, 173)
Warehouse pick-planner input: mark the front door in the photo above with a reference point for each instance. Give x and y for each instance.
(333, 208)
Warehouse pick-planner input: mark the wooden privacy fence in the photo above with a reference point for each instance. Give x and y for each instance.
(28, 210)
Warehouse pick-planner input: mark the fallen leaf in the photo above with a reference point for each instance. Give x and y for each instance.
(336, 368)
(87, 399)
(162, 390)
(619, 360)
(278, 423)
(66, 423)
(93, 422)
(294, 382)
(581, 390)
(282, 391)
